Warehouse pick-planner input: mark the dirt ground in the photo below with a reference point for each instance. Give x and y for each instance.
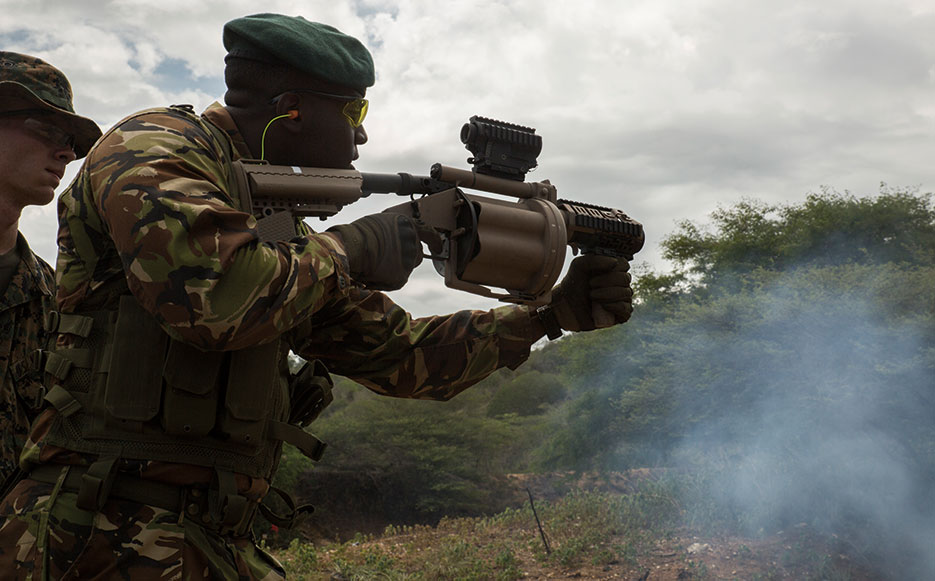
(796, 554)
(780, 557)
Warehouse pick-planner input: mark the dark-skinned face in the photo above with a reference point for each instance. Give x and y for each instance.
(320, 136)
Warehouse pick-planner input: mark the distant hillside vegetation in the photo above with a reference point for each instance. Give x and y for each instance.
(787, 361)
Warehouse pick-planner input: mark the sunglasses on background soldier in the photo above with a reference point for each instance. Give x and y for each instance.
(51, 133)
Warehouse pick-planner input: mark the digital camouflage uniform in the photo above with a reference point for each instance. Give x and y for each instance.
(22, 305)
(151, 213)
(28, 83)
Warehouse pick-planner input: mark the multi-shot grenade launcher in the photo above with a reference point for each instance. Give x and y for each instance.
(476, 242)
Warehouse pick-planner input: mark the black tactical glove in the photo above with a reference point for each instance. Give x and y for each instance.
(382, 249)
(594, 294)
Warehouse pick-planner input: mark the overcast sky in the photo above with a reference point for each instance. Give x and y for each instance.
(666, 109)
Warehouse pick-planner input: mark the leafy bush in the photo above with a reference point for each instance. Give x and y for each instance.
(426, 459)
(527, 395)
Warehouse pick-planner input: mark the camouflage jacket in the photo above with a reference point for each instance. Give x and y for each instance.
(151, 210)
(22, 307)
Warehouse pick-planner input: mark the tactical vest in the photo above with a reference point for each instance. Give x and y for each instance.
(127, 390)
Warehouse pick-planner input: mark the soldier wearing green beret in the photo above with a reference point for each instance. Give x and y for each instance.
(169, 395)
(39, 135)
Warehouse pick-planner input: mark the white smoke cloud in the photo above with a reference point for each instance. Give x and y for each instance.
(829, 392)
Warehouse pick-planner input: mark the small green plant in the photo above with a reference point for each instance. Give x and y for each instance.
(604, 556)
(698, 569)
(377, 560)
(457, 560)
(303, 558)
(371, 563)
(507, 567)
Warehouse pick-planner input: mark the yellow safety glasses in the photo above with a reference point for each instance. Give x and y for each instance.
(355, 108)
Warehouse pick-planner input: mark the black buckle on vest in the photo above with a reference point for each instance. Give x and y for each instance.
(51, 321)
(310, 393)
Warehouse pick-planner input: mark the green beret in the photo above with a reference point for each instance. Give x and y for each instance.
(313, 48)
(35, 81)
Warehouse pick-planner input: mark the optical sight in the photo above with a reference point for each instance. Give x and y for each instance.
(501, 149)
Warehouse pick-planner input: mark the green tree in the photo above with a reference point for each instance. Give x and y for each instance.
(829, 228)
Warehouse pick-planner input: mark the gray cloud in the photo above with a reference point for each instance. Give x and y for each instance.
(660, 108)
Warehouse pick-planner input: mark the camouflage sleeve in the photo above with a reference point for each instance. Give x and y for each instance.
(372, 340)
(157, 186)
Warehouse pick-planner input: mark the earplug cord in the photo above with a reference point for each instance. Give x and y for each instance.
(265, 129)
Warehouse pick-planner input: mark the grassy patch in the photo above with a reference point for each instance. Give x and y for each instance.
(590, 535)
(583, 529)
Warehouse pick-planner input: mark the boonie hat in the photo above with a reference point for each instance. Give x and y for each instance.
(44, 86)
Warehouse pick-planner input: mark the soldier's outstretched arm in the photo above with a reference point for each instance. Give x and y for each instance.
(372, 340)
(369, 338)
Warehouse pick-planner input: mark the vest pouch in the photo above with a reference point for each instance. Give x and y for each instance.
(252, 387)
(190, 404)
(133, 390)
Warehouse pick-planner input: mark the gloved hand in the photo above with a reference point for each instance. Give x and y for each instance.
(595, 293)
(382, 249)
